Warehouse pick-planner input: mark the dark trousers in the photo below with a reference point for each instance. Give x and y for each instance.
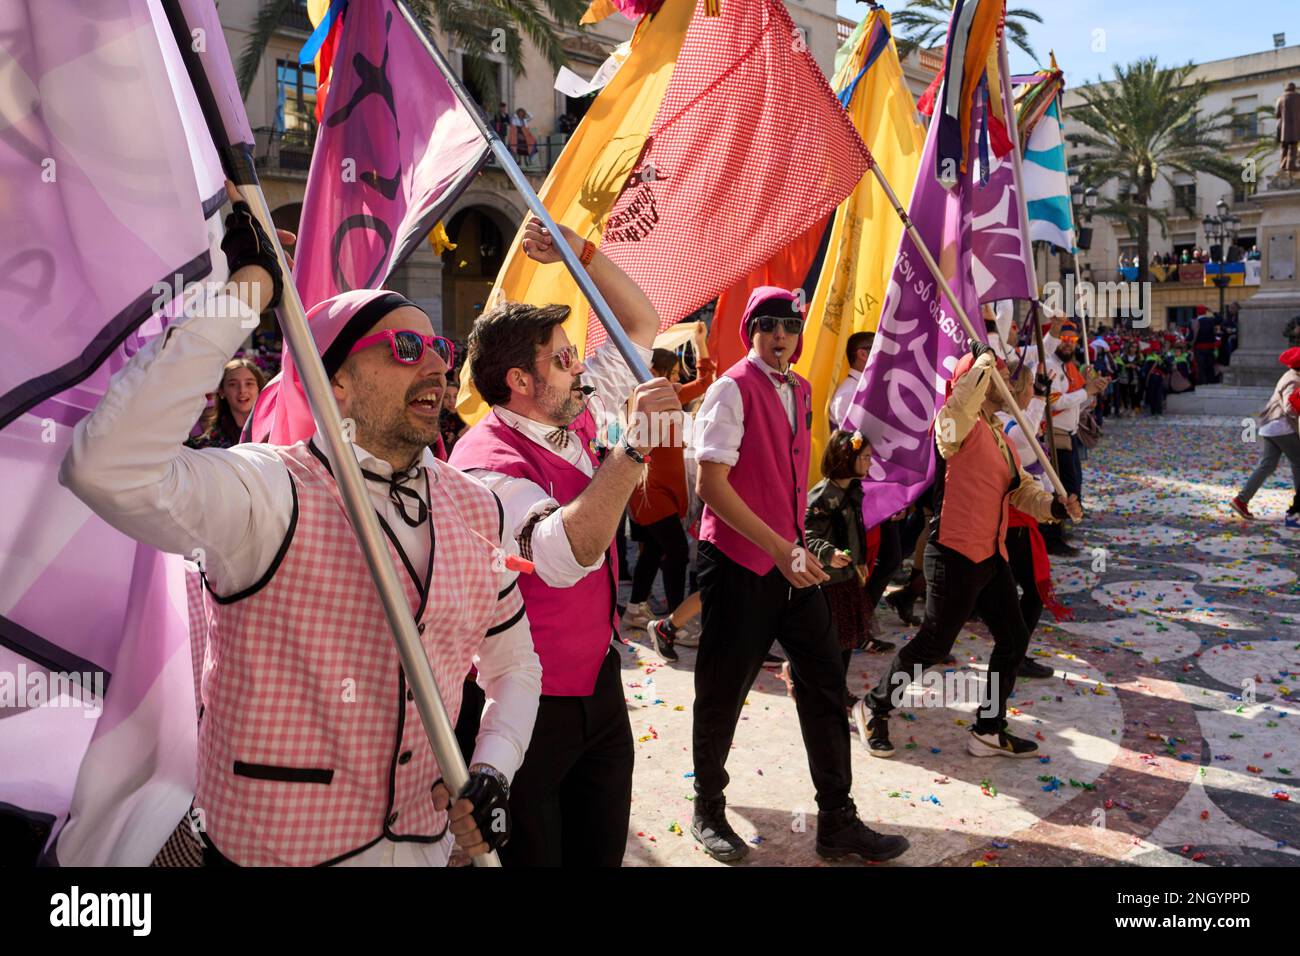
(888, 560)
(1021, 556)
(571, 801)
(742, 614)
(1205, 367)
(664, 546)
(956, 586)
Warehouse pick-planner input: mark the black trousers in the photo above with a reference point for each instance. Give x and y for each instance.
(956, 586)
(888, 560)
(471, 714)
(742, 614)
(1021, 555)
(664, 546)
(571, 801)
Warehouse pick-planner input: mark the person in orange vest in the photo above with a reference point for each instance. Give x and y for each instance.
(976, 482)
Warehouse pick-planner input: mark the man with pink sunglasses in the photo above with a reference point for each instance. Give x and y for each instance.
(571, 800)
(310, 747)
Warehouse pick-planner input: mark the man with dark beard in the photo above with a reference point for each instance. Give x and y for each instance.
(310, 747)
(571, 800)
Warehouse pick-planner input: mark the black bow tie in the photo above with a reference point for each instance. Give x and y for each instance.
(559, 437)
(399, 495)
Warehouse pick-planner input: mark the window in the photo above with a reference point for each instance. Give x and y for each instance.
(1185, 194)
(1245, 118)
(295, 97)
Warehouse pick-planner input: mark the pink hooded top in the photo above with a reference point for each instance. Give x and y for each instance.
(771, 474)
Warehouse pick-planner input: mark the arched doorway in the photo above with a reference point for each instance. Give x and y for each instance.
(482, 236)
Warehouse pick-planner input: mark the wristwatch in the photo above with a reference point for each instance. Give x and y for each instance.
(631, 452)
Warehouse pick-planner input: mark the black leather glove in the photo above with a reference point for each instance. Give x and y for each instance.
(1042, 385)
(247, 244)
(491, 800)
(977, 348)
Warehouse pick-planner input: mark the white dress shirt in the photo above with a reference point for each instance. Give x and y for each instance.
(1033, 414)
(720, 422)
(1067, 407)
(843, 398)
(521, 498)
(233, 505)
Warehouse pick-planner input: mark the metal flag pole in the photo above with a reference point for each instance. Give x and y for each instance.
(1012, 405)
(238, 165)
(517, 178)
(1083, 319)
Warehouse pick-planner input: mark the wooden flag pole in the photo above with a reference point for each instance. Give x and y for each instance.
(1004, 390)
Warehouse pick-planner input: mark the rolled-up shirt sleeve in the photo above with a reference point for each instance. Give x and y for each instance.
(719, 424)
(549, 547)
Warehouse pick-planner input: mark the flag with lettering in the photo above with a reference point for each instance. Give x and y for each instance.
(692, 170)
(920, 339)
(394, 149)
(112, 187)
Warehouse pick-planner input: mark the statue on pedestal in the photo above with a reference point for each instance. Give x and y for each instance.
(1288, 130)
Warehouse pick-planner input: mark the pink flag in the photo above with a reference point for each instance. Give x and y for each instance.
(394, 151)
(111, 184)
(748, 149)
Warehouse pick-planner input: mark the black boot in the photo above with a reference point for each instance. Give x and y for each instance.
(840, 833)
(710, 827)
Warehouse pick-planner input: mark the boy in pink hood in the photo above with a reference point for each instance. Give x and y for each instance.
(759, 584)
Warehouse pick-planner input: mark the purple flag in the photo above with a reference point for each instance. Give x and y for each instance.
(110, 181)
(395, 149)
(918, 341)
(1003, 261)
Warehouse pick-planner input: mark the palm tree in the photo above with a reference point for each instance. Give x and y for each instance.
(479, 27)
(923, 24)
(1141, 127)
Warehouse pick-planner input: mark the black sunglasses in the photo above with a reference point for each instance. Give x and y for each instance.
(768, 323)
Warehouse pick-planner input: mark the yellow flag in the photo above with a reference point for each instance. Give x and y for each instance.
(590, 174)
(865, 232)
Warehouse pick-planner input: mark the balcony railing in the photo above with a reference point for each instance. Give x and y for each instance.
(283, 150)
(544, 160)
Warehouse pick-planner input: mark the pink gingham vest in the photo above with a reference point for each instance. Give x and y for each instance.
(310, 745)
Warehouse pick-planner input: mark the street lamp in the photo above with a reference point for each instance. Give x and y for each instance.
(1218, 229)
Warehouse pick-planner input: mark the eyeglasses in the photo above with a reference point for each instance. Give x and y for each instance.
(565, 358)
(408, 346)
(768, 323)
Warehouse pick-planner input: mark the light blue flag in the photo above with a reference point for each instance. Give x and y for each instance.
(1047, 191)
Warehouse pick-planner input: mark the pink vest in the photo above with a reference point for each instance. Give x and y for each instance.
(571, 626)
(771, 475)
(310, 745)
(976, 482)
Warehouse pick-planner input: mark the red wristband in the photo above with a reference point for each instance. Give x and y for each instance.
(588, 252)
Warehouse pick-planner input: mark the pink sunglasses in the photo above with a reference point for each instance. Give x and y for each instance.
(408, 346)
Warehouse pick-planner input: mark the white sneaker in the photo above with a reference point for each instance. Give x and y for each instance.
(637, 615)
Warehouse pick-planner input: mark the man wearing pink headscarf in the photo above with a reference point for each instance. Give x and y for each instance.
(759, 583)
(311, 750)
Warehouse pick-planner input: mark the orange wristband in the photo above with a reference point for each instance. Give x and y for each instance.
(588, 252)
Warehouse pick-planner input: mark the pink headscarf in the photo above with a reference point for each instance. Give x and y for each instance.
(282, 415)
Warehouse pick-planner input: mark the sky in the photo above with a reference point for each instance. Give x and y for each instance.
(1173, 31)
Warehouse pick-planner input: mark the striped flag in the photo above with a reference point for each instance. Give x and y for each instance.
(1047, 189)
